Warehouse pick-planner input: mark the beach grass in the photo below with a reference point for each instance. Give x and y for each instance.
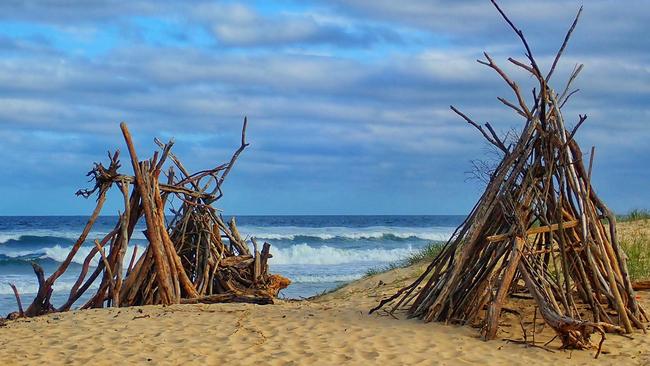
(636, 245)
(634, 238)
(635, 215)
(428, 253)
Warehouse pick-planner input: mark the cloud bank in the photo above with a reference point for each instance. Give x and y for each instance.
(347, 100)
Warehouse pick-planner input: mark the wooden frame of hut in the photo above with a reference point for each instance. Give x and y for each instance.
(539, 227)
(195, 257)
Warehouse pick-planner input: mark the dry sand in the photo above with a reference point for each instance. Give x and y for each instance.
(334, 329)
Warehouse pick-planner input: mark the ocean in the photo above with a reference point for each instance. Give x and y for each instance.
(317, 253)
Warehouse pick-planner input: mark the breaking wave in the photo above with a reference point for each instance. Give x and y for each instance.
(326, 255)
(296, 233)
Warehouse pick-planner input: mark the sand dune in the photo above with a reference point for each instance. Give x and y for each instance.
(333, 329)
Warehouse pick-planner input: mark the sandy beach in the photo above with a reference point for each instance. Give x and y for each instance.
(332, 329)
(241, 182)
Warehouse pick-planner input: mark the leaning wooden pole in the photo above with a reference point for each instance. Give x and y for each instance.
(143, 180)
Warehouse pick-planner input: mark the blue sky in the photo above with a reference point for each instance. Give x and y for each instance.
(347, 100)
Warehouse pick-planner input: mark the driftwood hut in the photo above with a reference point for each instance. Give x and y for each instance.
(538, 228)
(193, 257)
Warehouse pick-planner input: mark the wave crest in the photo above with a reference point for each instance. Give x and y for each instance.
(57, 253)
(326, 255)
(326, 278)
(39, 236)
(29, 286)
(346, 233)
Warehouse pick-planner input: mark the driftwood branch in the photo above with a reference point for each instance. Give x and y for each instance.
(515, 88)
(520, 34)
(564, 44)
(21, 312)
(234, 157)
(583, 118)
(565, 94)
(494, 140)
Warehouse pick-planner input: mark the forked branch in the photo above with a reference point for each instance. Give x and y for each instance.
(494, 140)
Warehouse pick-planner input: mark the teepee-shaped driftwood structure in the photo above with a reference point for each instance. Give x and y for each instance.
(538, 227)
(194, 257)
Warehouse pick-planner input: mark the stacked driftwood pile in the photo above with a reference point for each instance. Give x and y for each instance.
(539, 227)
(196, 257)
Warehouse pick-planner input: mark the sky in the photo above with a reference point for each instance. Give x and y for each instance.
(347, 101)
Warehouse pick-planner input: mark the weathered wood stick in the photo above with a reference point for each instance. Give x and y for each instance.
(132, 261)
(238, 242)
(155, 242)
(21, 313)
(41, 304)
(494, 310)
(536, 230)
(266, 254)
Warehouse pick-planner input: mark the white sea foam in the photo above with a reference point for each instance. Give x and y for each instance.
(295, 254)
(326, 278)
(308, 252)
(60, 253)
(6, 236)
(27, 285)
(326, 255)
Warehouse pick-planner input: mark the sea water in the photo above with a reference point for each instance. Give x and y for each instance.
(317, 253)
